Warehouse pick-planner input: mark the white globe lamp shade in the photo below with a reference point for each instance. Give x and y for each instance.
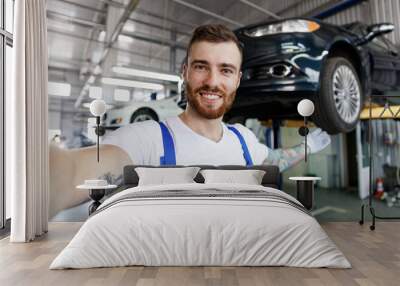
(305, 107)
(98, 107)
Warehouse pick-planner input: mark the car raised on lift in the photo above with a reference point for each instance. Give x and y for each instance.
(336, 67)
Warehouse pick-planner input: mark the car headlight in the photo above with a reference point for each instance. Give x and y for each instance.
(289, 26)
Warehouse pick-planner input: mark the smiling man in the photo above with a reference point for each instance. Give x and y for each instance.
(211, 75)
(197, 136)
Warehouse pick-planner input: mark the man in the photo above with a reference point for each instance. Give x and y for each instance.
(198, 135)
(211, 75)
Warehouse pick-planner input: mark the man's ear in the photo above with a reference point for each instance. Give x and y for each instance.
(240, 77)
(184, 71)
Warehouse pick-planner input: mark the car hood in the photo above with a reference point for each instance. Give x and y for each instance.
(273, 48)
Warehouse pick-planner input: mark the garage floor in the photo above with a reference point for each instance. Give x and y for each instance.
(374, 256)
(330, 205)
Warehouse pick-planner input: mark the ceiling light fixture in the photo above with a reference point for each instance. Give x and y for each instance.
(125, 39)
(131, 83)
(102, 36)
(146, 74)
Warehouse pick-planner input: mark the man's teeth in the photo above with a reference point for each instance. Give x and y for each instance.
(210, 96)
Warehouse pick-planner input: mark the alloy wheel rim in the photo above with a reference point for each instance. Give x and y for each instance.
(346, 94)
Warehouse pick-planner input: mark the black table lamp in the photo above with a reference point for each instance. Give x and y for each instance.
(305, 108)
(98, 108)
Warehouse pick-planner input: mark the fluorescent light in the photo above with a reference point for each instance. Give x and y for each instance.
(129, 27)
(59, 88)
(125, 39)
(95, 92)
(102, 36)
(131, 83)
(121, 95)
(147, 74)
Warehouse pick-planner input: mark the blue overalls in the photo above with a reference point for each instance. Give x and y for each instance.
(169, 157)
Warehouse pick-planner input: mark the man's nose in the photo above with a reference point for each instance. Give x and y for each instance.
(212, 79)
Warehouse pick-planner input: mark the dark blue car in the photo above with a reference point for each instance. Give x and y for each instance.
(334, 66)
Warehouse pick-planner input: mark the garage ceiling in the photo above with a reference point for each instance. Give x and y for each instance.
(152, 38)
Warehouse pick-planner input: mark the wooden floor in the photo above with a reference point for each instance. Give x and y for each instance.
(375, 257)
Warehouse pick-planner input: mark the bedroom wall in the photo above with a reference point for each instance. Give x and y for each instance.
(70, 54)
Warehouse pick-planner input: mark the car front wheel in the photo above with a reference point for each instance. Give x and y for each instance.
(143, 114)
(339, 102)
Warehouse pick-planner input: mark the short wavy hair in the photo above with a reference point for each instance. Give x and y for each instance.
(213, 33)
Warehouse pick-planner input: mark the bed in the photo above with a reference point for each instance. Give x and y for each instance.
(198, 224)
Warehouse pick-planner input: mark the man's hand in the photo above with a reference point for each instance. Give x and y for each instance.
(318, 140)
(71, 167)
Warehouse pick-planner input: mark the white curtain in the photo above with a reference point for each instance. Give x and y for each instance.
(27, 148)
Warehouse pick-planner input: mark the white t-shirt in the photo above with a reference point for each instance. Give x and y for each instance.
(143, 142)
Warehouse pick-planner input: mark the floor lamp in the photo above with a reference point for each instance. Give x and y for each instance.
(98, 108)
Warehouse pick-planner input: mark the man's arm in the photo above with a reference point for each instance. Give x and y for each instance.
(71, 167)
(285, 158)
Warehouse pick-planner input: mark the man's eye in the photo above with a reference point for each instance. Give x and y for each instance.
(199, 67)
(227, 71)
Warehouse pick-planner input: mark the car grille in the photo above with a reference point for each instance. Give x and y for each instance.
(274, 71)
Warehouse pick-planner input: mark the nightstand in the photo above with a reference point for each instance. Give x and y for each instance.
(305, 190)
(96, 193)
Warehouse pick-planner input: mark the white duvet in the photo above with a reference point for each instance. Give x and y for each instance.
(217, 231)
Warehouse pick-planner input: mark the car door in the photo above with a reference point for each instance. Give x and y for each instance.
(384, 75)
(395, 58)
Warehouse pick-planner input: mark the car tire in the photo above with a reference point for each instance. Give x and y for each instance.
(143, 114)
(339, 101)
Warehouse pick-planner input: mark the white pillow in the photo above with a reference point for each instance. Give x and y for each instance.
(248, 177)
(165, 176)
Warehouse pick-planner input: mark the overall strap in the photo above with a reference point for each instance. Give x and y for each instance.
(169, 148)
(246, 153)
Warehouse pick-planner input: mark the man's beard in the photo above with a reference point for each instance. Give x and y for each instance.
(193, 98)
